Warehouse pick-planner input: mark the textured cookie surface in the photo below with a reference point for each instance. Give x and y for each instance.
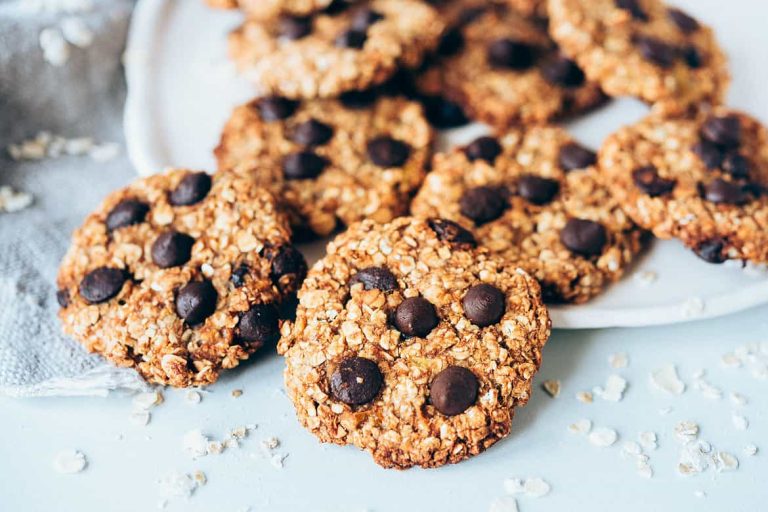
(179, 276)
(331, 161)
(642, 48)
(265, 9)
(330, 52)
(534, 198)
(412, 344)
(702, 180)
(503, 68)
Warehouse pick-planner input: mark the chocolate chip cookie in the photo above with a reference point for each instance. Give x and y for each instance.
(535, 199)
(266, 9)
(642, 48)
(330, 52)
(334, 161)
(179, 276)
(503, 68)
(701, 179)
(413, 344)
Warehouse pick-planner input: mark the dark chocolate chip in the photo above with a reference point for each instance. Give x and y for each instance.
(238, 275)
(354, 39)
(633, 6)
(416, 316)
(709, 153)
(724, 131)
(443, 114)
(356, 381)
(451, 42)
(358, 100)
(509, 54)
(692, 57)
(191, 189)
(312, 133)
(451, 232)
(736, 165)
(562, 71)
(336, 7)
(127, 213)
(584, 237)
(275, 108)
(483, 148)
(294, 27)
(289, 268)
(363, 18)
(484, 305)
(575, 156)
(483, 204)
(684, 22)
(454, 390)
(375, 278)
(720, 191)
(303, 165)
(648, 180)
(62, 297)
(712, 251)
(655, 50)
(385, 151)
(101, 284)
(537, 190)
(260, 325)
(172, 249)
(196, 301)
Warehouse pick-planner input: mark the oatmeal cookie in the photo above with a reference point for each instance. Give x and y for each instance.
(331, 161)
(642, 48)
(503, 68)
(179, 276)
(412, 344)
(701, 179)
(328, 53)
(534, 8)
(534, 198)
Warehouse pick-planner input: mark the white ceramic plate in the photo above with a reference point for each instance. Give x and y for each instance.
(181, 89)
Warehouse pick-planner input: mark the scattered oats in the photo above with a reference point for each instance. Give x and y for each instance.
(195, 443)
(686, 431)
(666, 379)
(695, 458)
(649, 440)
(231, 443)
(514, 486)
(69, 462)
(750, 450)
(731, 360)
(631, 448)
(693, 307)
(239, 432)
(237, 393)
(614, 389)
(54, 46)
(700, 494)
(104, 152)
(705, 388)
(503, 504)
(740, 422)
(738, 399)
(270, 443)
(603, 437)
(725, 461)
(278, 460)
(214, 447)
(644, 470)
(140, 418)
(645, 278)
(146, 401)
(584, 397)
(536, 487)
(552, 387)
(178, 485)
(200, 478)
(76, 31)
(193, 397)
(618, 360)
(12, 201)
(580, 427)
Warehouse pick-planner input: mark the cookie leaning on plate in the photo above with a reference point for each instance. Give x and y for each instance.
(642, 48)
(534, 198)
(701, 179)
(331, 161)
(180, 276)
(328, 53)
(412, 344)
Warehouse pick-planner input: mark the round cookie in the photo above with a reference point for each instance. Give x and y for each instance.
(412, 344)
(701, 179)
(331, 161)
(329, 53)
(534, 198)
(642, 48)
(179, 276)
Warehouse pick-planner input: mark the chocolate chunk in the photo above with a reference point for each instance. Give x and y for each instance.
(648, 180)
(692, 57)
(684, 22)
(483, 148)
(354, 39)
(101, 284)
(537, 190)
(483, 204)
(358, 100)
(303, 165)
(312, 133)
(484, 305)
(196, 301)
(127, 213)
(709, 153)
(736, 165)
(443, 114)
(356, 381)
(416, 316)
(655, 50)
(260, 325)
(720, 191)
(454, 390)
(275, 108)
(363, 18)
(289, 268)
(451, 232)
(712, 251)
(633, 6)
(385, 151)
(509, 54)
(238, 275)
(451, 42)
(191, 189)
(62, 297)
(575, 156)
(375, 278)
(172, 249)
(562, 71)
(294, 27)
(584, 237)
(723, 131)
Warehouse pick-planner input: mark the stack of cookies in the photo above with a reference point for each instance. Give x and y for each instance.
(421, 329)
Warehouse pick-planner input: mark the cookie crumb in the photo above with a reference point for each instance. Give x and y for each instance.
(584, 397)
(552, 387)
(69, 462)
(237, 393)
